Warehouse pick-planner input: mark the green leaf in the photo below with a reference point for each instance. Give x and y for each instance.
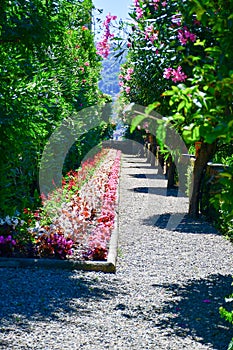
(198, 42)
(151, 107)
(136, 121)
(181, 105)
(196, 133)
(187, 135)
(168, 93)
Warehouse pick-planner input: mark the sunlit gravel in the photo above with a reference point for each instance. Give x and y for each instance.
(172, 275)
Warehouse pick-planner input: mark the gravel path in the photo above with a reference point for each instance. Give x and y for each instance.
(172, 276)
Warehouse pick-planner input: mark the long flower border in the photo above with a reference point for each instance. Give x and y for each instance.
(98, 241)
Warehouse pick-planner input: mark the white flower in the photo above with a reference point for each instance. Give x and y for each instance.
(8, 220)
(15, 221)
(2, 222)
(37, 225)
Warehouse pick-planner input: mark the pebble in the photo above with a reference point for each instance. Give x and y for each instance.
(155, 300)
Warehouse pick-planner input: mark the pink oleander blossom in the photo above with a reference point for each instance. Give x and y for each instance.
(103, 47)
(184, 35)
(176, 75)
(127, 89)
(167, 73)
(130, 70)
(139, 12)
(128, 77)
(150, 34)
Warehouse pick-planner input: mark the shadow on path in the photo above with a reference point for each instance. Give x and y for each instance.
(147, 176)
(40, 294)
(159, 191)
(196, 312)
(185, 223)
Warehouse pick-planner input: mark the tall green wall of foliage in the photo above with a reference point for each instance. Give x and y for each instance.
(49, 70)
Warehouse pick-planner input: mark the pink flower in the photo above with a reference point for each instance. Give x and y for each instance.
(182, 39)
(103, 47)
(156, 4)
(178, 75)
(192, 37)
(153, 37)
(128, 77)
(86, 64)
(175, 75)
(139, 12)
(184, 35)
(167, 73)
(130, 70)
(150, 34)
(127, 89)
(97, 241)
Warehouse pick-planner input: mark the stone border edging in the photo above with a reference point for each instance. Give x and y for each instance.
(108, 266)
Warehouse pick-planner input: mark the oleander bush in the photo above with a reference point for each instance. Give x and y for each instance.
(49, 70)
(180, 64)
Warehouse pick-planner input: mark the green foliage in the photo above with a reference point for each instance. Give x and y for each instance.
(222, 202)
(228, 316)
(196, 37)
(48, 70)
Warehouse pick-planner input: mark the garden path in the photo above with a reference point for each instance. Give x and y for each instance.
(172, 276)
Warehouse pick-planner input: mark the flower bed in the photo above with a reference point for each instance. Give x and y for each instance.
(75, 222)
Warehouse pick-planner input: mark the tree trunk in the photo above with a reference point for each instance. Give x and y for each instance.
(153, 151)
(161, 162)
(171, 171)
(204, 155)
